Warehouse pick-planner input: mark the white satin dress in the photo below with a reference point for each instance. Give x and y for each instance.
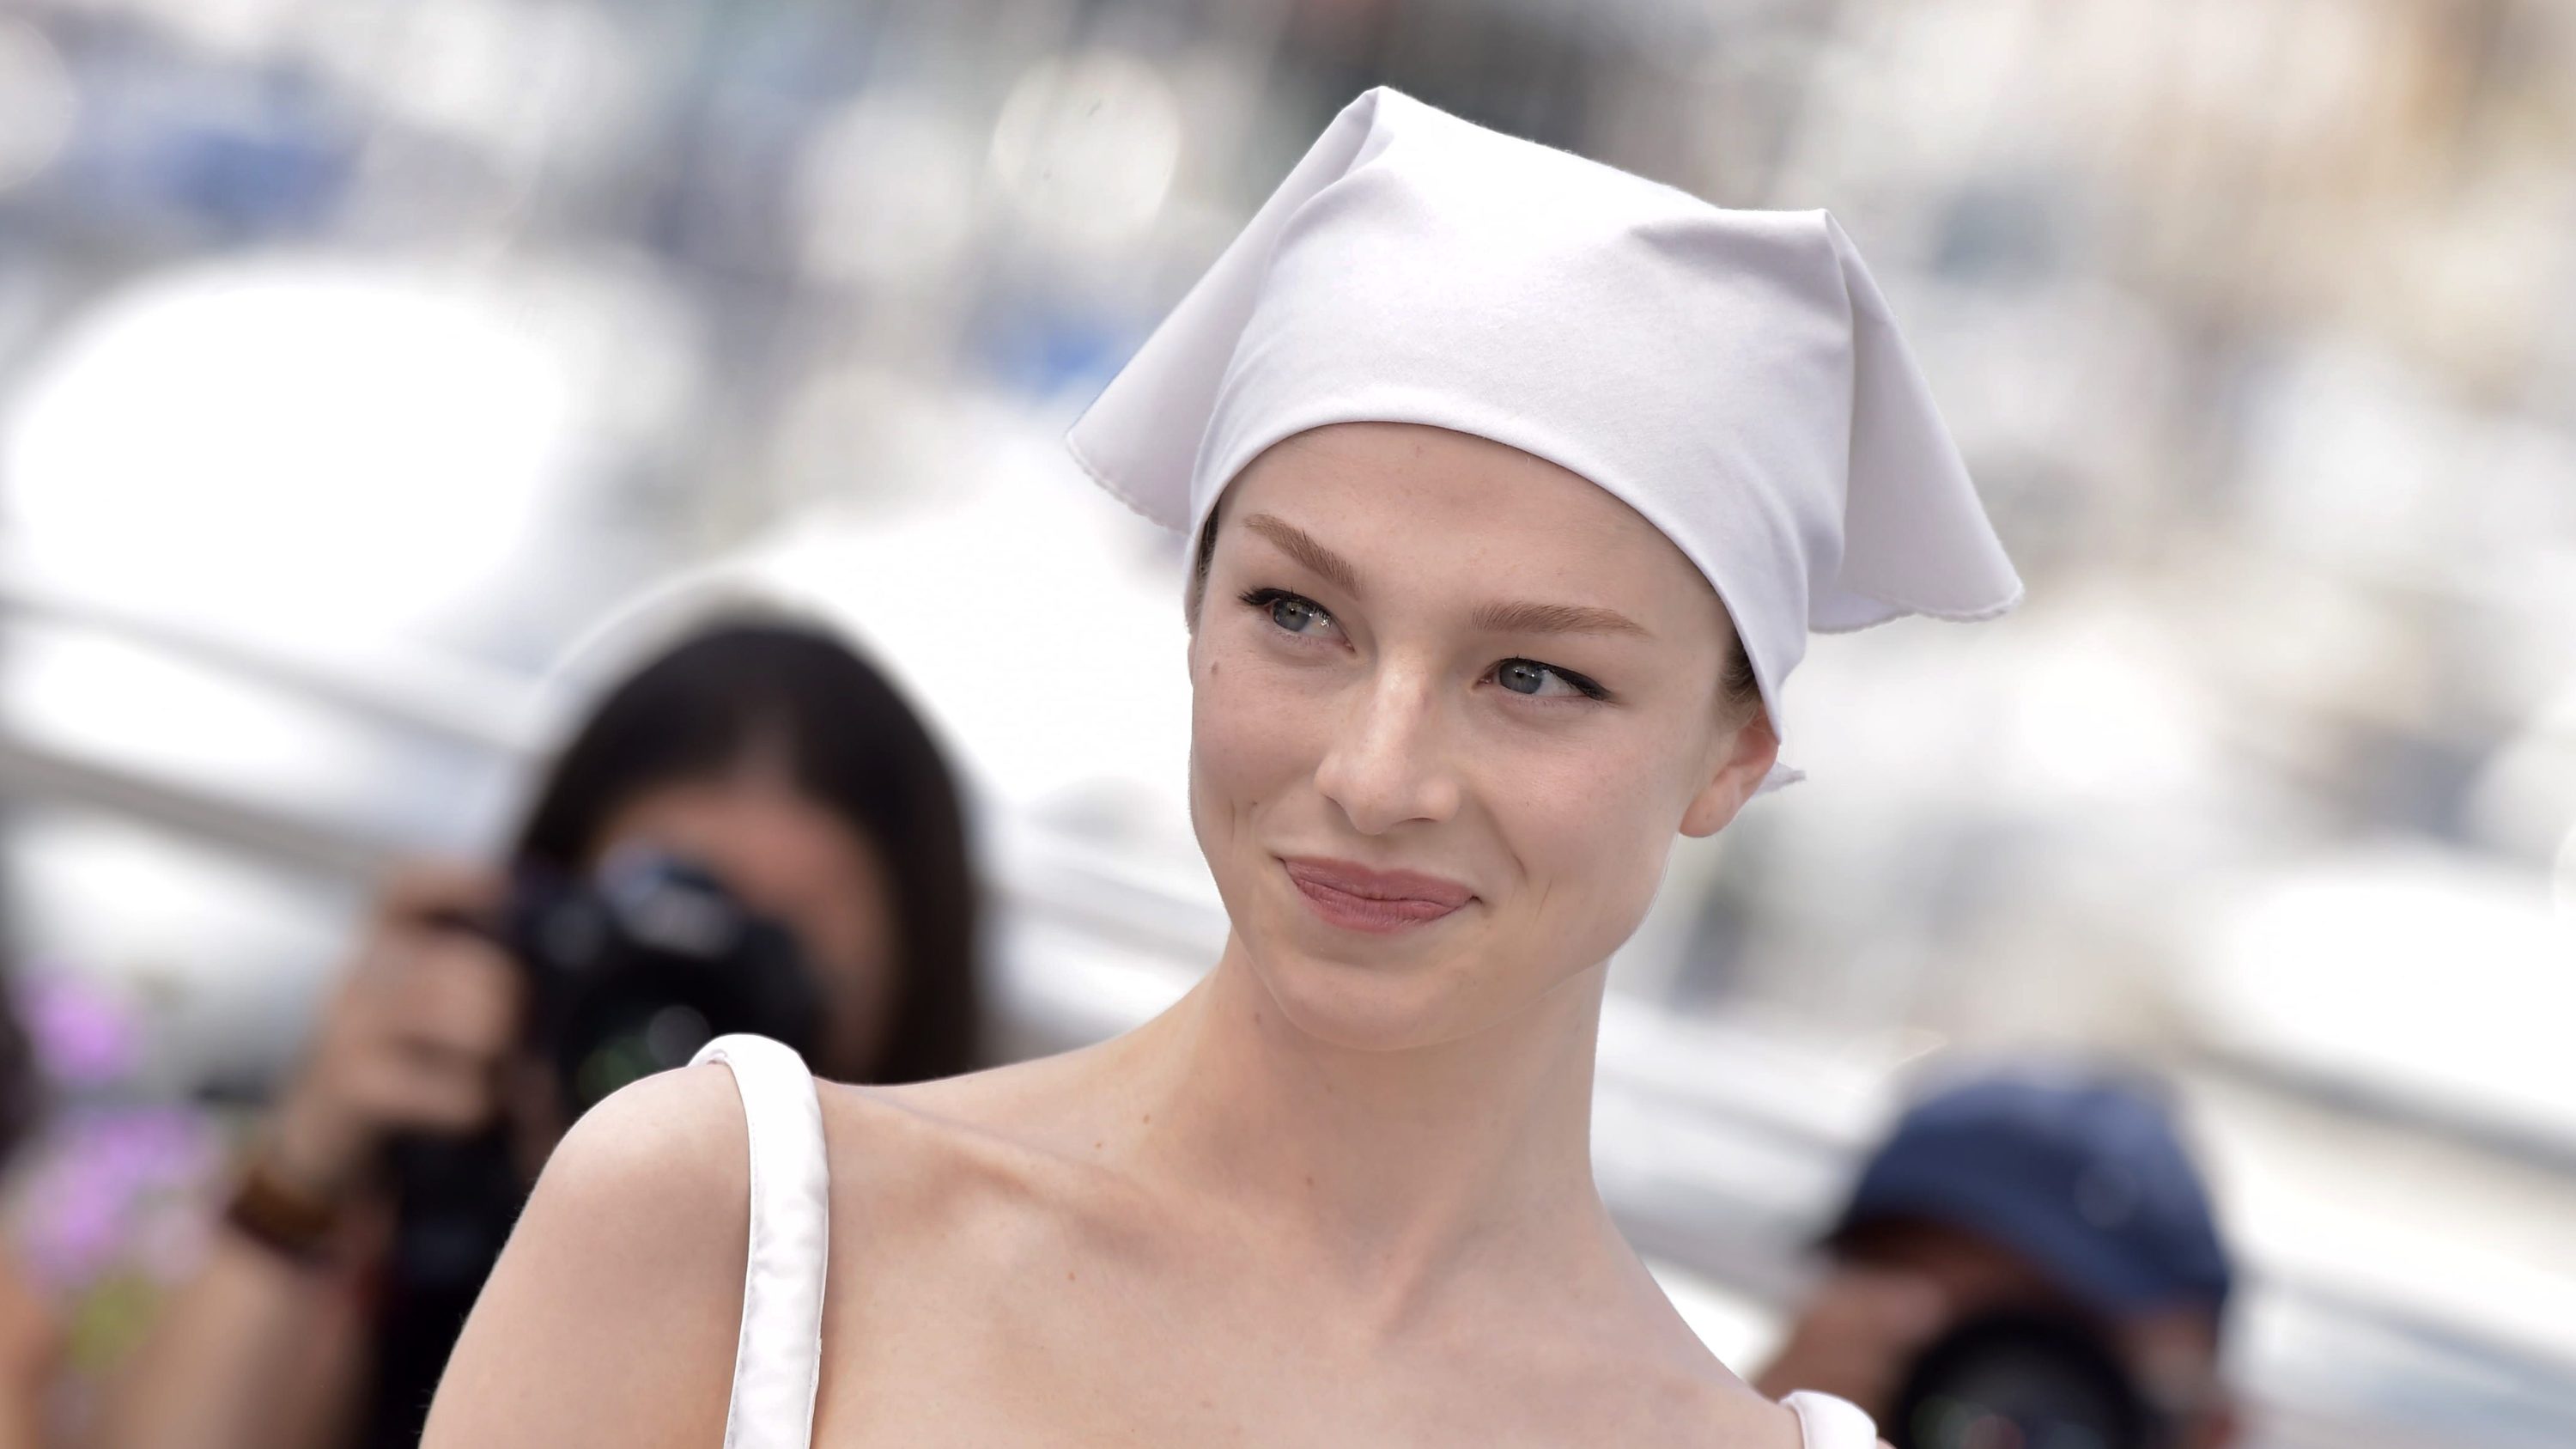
(779, 1358)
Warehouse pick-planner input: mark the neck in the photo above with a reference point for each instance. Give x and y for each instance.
(1384, 1164)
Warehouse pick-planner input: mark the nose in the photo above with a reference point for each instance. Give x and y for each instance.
(1387, 762)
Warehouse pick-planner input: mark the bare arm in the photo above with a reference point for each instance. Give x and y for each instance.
(613, 1316)
(254, 1350)
(30, 1352)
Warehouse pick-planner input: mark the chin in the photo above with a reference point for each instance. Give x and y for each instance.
(1376, 993)
(1359, 1006)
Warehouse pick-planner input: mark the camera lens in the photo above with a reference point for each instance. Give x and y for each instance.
(637, 967)
(667, 1038)
(2022, 1381)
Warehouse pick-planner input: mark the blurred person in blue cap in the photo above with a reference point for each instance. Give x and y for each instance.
(2033, 1246)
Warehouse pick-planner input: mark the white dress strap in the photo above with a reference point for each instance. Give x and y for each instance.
(1826, 1422)
(779, 1358)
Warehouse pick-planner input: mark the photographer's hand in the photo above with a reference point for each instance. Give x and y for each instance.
(266, 1346)
(414, 1038)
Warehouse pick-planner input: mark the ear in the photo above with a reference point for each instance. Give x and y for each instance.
(1740, 760)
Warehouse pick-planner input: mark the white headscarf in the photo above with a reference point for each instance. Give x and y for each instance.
(1733, 376)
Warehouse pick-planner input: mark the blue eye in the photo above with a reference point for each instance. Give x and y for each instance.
(1292, 613)
(1529, 677)
(1302, 617)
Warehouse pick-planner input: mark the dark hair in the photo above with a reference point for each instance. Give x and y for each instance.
(1737, 682)
(1742, 689)
(850, 743)
(1199, 564)
(737, 689)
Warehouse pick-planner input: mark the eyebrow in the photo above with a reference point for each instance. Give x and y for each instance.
(1527, 618)
(1302, 546)
(1512, 618)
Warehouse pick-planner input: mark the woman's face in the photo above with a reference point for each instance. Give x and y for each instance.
(802, 864)
(1451, 704)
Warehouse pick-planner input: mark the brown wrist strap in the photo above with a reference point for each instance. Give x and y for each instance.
(283, 1219)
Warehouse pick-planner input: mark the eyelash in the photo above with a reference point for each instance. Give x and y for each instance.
(1266, 599)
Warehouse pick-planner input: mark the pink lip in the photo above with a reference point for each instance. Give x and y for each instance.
(1360, 899)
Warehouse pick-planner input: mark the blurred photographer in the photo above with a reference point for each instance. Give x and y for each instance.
(2028, 1259)
(753, 832)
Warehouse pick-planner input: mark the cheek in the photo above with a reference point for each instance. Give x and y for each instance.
(853, 944)
(834, 893)
(1252, 736)
(855, 939)
(1593, 832)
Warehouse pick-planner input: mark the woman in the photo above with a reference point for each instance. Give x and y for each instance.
(1516, 484)
(768, 754)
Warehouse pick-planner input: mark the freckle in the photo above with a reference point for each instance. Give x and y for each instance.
(1310, 1182)
(1068, 1275)
(1096, 1146)
(1149, 1117)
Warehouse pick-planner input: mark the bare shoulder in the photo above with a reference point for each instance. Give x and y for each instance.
(612, 1315)
(929, 1150)
(1626, 1356)
(660, 1172)
(999, 1128)
(1675, 1401)
(942, 1188)
(666, 1158)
